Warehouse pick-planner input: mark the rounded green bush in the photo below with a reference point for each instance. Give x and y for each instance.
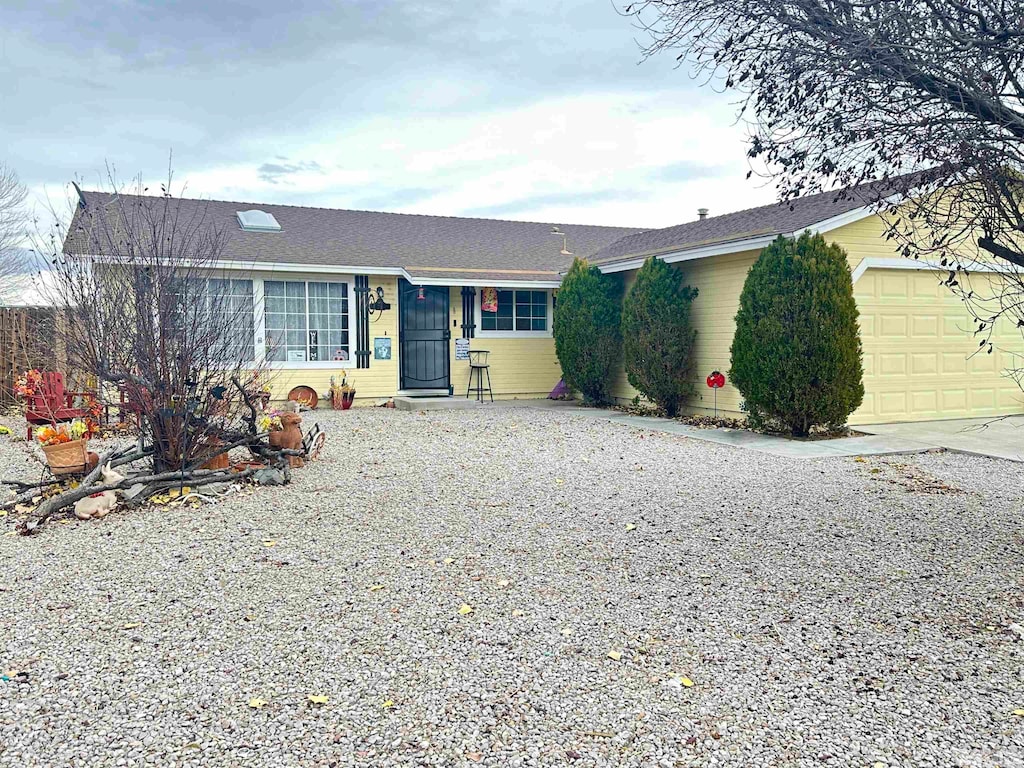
(657, 336)
(588, 338)
(796, 354)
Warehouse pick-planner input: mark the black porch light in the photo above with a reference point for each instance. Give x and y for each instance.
(378, 305)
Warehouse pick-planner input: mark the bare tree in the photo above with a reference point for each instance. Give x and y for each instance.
(13, 223)
(149, 315)
(914, 106)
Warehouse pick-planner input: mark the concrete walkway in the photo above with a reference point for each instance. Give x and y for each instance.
(998, 438)
(869, 445)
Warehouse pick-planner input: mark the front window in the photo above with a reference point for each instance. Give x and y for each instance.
(306, 321)
(519, 310)
(217, 312)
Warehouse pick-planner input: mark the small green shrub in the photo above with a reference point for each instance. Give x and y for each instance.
(587, 332)
(796, 354)
(657, 336)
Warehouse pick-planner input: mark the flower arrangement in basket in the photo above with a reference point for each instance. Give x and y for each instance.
(342, 395)
(65, 448)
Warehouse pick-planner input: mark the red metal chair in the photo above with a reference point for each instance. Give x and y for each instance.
(51, 404)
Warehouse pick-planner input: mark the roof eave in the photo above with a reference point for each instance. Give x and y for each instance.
(737, 246)
(332, 269)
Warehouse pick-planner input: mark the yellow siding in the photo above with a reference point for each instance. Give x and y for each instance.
(719, 280)
(916, 335)
(863, 239)
(523, 367)
(378, 381)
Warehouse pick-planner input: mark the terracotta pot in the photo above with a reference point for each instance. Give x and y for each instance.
(220, 461)
(291, 436)
(69, 458)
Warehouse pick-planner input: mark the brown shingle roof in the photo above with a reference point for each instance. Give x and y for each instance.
(425, 246)
(774, 219)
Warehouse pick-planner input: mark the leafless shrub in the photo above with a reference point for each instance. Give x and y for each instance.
(156, 322)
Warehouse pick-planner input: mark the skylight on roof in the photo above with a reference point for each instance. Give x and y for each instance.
(257, 221)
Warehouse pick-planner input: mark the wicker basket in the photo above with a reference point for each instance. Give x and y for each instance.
(67, 458)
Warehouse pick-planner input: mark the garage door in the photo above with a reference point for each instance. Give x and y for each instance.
(918, 349)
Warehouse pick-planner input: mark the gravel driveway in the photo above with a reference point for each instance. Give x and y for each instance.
(835, 612)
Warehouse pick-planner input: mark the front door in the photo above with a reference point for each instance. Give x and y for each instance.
(423, 336)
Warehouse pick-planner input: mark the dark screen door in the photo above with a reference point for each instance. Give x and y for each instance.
(423, 336)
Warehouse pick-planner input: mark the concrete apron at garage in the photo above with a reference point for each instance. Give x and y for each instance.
(1000, 438)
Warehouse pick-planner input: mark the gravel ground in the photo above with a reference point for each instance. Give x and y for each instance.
(838, 612)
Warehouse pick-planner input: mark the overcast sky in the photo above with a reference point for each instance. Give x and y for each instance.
(528, 109)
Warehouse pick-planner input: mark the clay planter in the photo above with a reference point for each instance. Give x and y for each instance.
(343, 401)
(291, 437)
(70, 458)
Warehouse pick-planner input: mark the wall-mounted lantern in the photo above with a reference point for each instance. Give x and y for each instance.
(378, 305)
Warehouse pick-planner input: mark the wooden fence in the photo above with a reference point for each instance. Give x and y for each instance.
(28, 339)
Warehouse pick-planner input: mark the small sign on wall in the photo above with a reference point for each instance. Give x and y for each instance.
(296, 355)
(382, 348)
(462, 349)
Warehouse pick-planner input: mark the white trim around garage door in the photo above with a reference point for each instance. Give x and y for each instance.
(902, 262)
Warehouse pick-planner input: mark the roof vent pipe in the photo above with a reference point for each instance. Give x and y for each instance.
(702, 213)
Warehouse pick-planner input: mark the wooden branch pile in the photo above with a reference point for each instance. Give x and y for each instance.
(144, 484)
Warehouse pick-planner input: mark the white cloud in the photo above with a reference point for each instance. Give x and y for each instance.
(595, 158)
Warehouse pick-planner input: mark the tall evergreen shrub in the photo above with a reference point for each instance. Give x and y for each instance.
(588, 339)
(657, 335)
(796, 354)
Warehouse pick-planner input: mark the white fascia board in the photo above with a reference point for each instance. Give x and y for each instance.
(484, 283)
(835, 222)
(327, 269)
(702, 252)
(331, 269)
(738, 246)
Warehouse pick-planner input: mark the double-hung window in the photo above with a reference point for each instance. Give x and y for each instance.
(306, 321)
(524, 311)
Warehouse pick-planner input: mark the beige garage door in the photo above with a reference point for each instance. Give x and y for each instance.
(918, 349)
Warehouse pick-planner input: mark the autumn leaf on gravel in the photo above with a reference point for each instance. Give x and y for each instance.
(257, 703)
(465, 610)
(317, 699)
(269, 543)
(1019, 712)
(559, 480)
(376, 587)
(614, 655)
(518, 613)
(686, 682)
(449, 560)
(503, 582)
(131, 625)
(630, 526)
(388, 704)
